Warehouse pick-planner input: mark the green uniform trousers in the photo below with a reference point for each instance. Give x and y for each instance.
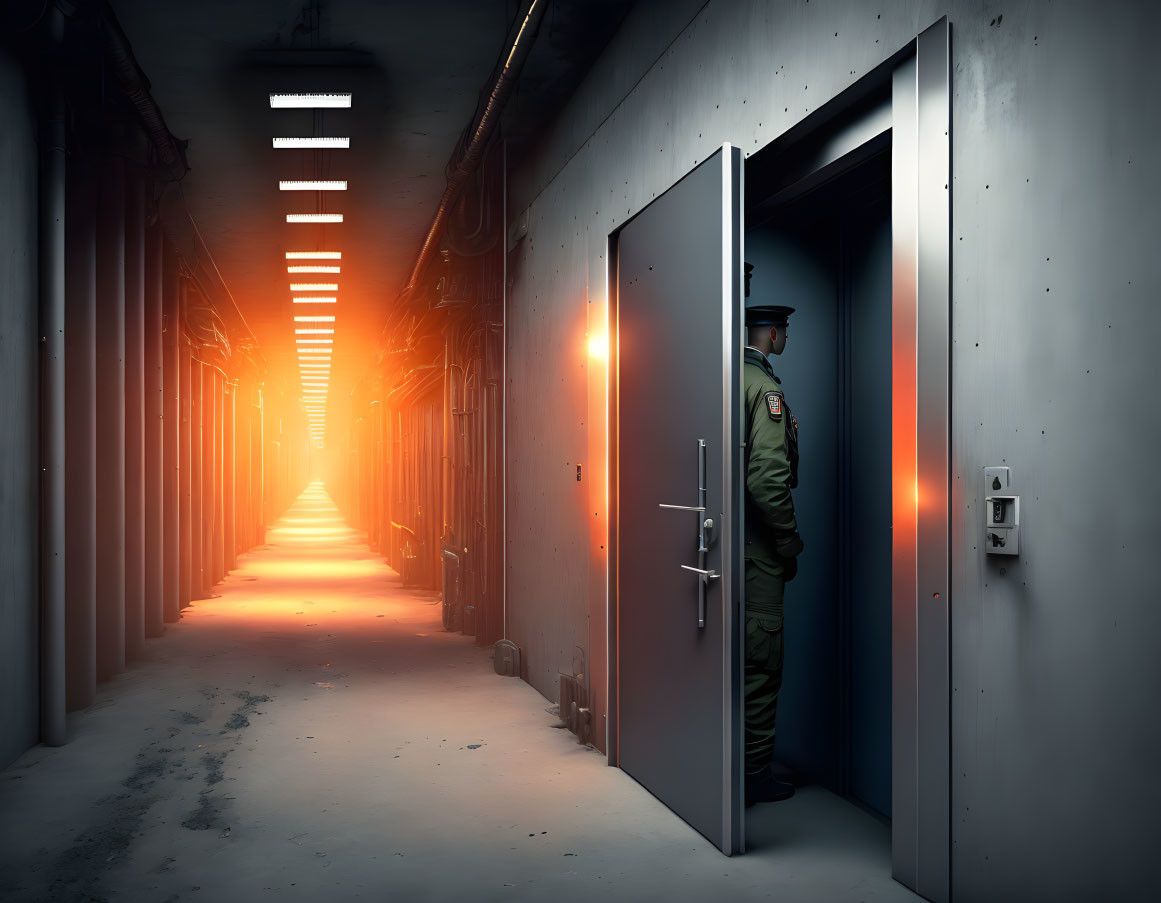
(765, 583)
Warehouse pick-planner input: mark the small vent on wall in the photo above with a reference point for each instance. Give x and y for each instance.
(574, 711)
(507, 658)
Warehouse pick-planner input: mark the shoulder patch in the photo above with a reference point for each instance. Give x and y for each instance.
(774, 405)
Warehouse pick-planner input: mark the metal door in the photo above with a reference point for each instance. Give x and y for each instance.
(677, 588)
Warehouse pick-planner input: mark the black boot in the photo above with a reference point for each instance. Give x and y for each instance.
(763, 787)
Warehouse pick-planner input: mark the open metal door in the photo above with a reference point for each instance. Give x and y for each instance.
(676, 576)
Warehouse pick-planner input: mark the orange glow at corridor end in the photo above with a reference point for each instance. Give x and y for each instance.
(305, 583)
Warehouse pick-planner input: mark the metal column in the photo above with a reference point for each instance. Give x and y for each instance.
(197, 474)
(134, 417)
(80, 429)
(155, 526)
(229, 491)
(52, 423)
(110, 429)
(185, 463)
(208, 470)
(220, 401)
(172, 469)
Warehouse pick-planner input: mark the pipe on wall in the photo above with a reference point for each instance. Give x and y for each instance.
(110, 345)
(185, 465)
(81, 430)
(134, 475)
(229, 481)
(52, 395)
(152, 417)
(197, 472)
(133, 82)
(172, 470)
(467, 157)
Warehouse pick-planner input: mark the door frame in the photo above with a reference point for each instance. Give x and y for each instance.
(918, 79)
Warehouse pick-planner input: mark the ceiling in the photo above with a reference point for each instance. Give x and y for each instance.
(414, 69)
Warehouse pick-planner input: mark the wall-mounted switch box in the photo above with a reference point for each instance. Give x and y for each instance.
(1001, 513)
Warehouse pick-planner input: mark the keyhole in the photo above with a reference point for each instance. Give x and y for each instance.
(995, 482)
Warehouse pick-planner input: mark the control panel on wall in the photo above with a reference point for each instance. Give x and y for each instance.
(1001, 513)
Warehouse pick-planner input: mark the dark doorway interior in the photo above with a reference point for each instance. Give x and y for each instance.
(827, 253)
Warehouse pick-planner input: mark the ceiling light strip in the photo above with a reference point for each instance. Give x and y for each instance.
(314, 255)
(315, 268)
(309, 101)
(314, 217)
(317, 143)
(312, 185)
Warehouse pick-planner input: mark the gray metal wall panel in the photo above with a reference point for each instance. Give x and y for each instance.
(1056, 679)
(1054, 155)
(19, 483)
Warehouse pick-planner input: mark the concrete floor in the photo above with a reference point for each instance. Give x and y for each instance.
(313, 734)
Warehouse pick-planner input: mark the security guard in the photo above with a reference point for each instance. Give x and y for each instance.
(772, 540)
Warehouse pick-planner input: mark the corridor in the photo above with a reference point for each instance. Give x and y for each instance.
(468, 450)
(313, 733)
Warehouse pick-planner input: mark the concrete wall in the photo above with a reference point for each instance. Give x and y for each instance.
(19, 486)
(1054, 274)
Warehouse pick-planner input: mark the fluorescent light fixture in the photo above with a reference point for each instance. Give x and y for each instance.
(314, 341)
(319, 300)
(314, 217)
(312, 142)
(314, 332)
(316, 185)
(313, 269)
(309, 101)
(314, 385)
(329, 319)
(314, 255)
(314, 286)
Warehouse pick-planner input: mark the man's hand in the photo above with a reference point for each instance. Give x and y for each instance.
(789, 546)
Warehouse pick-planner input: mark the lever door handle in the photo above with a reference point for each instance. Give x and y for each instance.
(706, 575)
(702, 527)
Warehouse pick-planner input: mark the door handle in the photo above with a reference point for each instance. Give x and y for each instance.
(705, 575)
(704, 525)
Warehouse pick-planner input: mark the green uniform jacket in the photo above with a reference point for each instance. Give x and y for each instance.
(771, 459)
